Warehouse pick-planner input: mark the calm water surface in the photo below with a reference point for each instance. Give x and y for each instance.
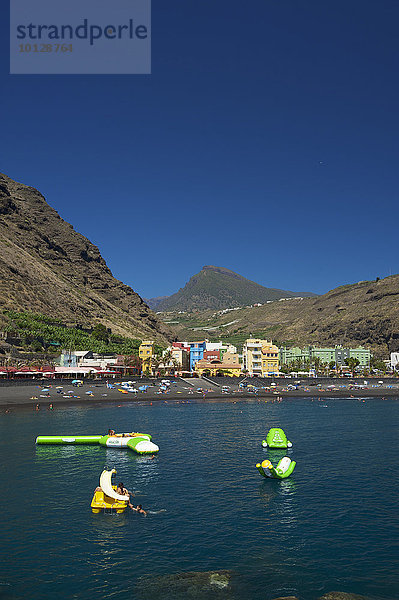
(331, 526)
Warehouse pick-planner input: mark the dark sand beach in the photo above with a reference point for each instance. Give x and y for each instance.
(29, 394)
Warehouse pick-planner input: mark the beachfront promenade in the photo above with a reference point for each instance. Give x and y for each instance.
(14, 394)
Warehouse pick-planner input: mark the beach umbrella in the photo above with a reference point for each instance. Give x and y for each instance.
(143, 388)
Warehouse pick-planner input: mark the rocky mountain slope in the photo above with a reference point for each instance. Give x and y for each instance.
(47, 267)
(365, 313)
(218, 288)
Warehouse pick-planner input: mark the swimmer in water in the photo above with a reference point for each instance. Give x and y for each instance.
(139, 509)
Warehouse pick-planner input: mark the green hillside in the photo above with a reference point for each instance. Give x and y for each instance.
(218, 288)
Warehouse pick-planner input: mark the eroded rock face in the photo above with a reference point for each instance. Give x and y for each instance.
(48, 267)
(208, 585)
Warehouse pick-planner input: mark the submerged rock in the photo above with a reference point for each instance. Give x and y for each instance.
(286, 598)
(221, 580)
(342, 596)
(208, 585)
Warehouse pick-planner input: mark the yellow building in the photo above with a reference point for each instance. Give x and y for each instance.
(260, 357)
(270, 357)
(229, 366)
(145, 353)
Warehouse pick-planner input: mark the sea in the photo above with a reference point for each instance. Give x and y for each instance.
(331, 526)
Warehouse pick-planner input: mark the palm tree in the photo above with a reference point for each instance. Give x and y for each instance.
(316, 362)
(132, 360)
(156, 360)
(167, 356)
(296, 365)
(169, 361)
(352, 364)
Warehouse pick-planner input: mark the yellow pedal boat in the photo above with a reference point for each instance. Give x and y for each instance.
(107, 499)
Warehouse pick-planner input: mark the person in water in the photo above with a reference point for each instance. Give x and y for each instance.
(139, 509)
(124, 492)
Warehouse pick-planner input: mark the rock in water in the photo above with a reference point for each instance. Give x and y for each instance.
(342, 596)
(208, 585)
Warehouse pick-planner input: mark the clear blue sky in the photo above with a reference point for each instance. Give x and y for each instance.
(265, 140)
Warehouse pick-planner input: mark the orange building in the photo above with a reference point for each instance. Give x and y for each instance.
(229, 365)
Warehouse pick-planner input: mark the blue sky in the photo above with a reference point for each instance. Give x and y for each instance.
(265, 140)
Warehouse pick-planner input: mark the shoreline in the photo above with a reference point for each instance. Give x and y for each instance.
(28, 396)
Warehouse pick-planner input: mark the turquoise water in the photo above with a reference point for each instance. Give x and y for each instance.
(331, 526)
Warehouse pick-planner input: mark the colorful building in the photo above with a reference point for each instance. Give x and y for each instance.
(184, 345)
(181, 357)
(260, 357)
(197, 350)
(212, 354)
(270, 359)
(145, 353)
(221, 347)
(336, 355)
(229, 366)
(363, 355)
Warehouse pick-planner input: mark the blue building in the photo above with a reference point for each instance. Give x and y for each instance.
(197, 350)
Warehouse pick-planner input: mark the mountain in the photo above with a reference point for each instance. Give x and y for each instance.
(47, 267)
(153, 303)
(364, 313)
(218, 288)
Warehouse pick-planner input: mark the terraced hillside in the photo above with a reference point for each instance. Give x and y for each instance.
(364, 313)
